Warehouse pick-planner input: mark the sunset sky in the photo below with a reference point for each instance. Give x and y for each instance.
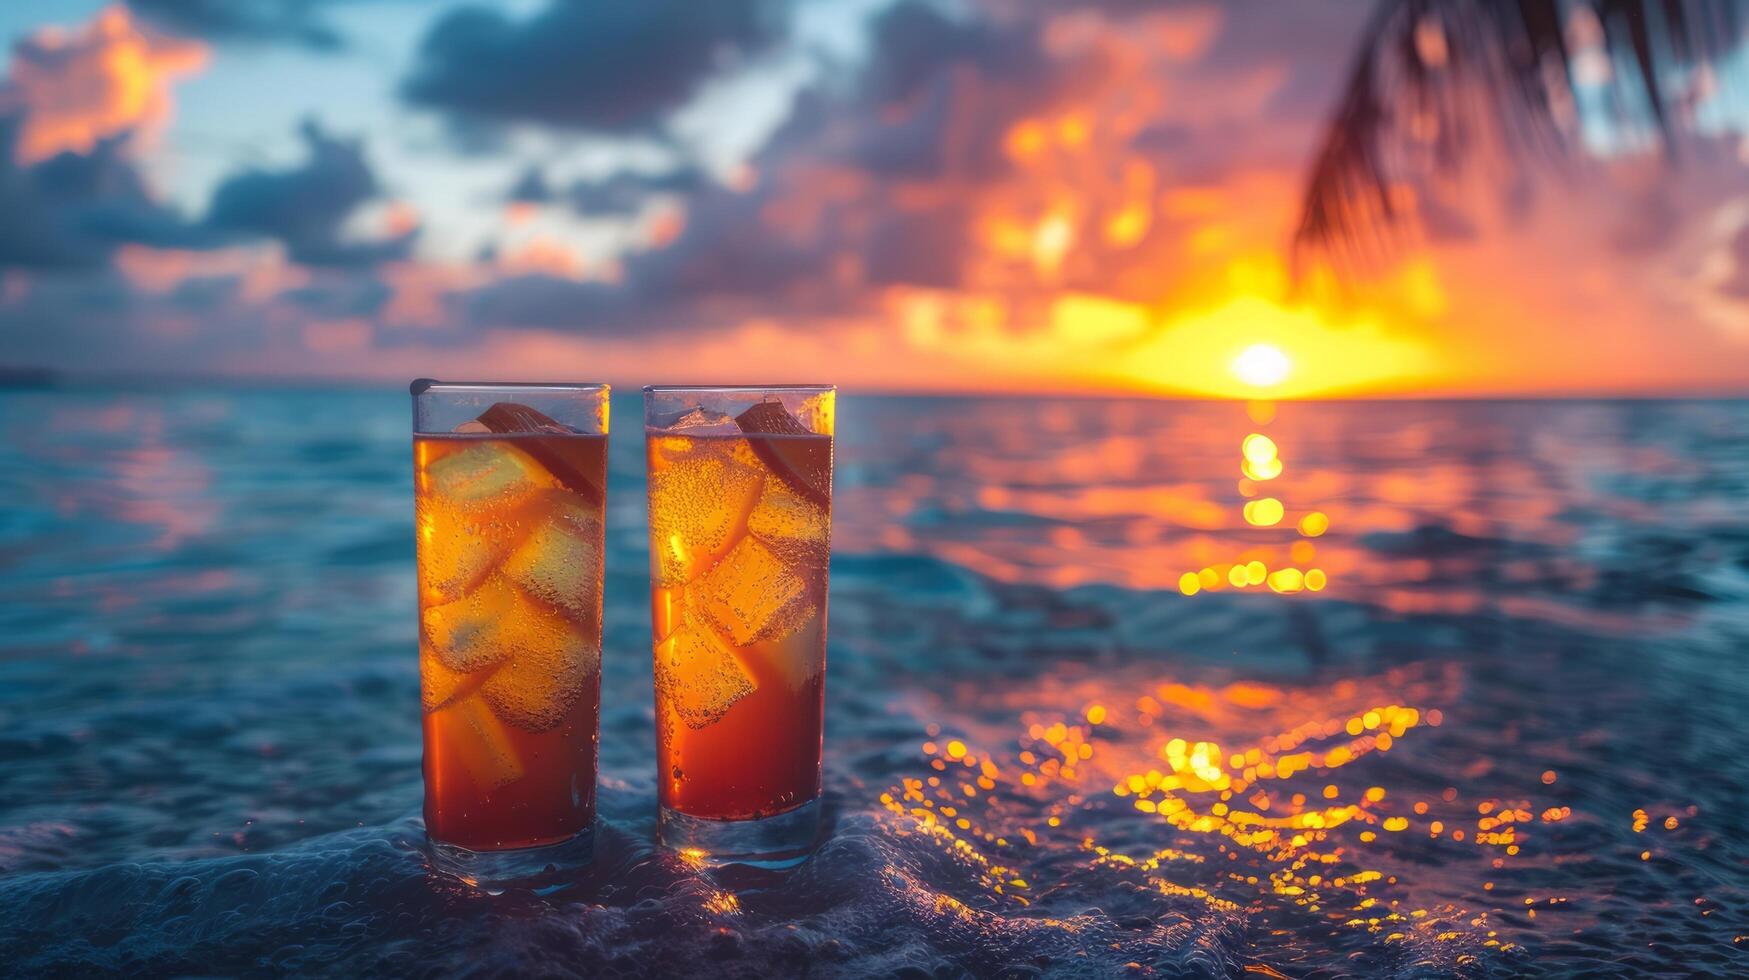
(1094, 196)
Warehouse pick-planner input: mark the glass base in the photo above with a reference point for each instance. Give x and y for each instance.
(781, 841)
(523, 867)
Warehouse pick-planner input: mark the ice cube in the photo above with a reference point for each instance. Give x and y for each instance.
(457, 548)
(559, 562)
(698, 507)
(494, 472)
(513, 417)
(480, 744)
(545, 674)
(702, 422)
(479, 629)
(752, 596)
(793, 660)
(698, 675)
(533, 661)
(793, 526)
(539, 659)
(799, 457)
(438, 685)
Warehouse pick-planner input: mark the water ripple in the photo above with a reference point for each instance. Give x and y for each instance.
(1081, 722)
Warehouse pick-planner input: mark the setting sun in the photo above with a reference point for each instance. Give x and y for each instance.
(1262, 365)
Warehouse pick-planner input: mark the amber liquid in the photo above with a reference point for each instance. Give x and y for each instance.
(510, 544)
(738, 555)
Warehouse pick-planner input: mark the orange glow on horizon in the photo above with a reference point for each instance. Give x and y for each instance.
(1240, 349)
(1262, 366)
(1089, 264)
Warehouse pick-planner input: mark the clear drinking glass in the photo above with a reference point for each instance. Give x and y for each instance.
(740, 532)
(509, 487)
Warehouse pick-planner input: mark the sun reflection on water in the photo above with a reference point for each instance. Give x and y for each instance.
(1273, 802)
(1260, 461)
(1248, 797)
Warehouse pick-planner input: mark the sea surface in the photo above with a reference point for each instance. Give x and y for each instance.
(1509, 735)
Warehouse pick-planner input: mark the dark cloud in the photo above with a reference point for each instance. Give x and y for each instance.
(917, 249)
(930, 105)
(292, 21)
(912, 93)
(608, 66)
(705, 265)
(530, 188)
(204, 294)
(73, 209)
(306, 207)
(550, 301)
(1165, 138)
(340, 297)
(619, 194)
(626, 192)
(915, 44)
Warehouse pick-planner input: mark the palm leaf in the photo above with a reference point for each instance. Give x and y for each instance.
(1441, 90)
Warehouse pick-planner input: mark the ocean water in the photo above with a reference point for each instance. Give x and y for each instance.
(1509, 735)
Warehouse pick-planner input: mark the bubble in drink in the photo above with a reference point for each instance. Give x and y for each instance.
(559, 561)
(795, 528)
(543, 677)
(792, 661)
(479, 629)
(467, 512)
(438, 684)
(698, 507)
(699, 675)
(489, 756)
(752, 596)
(740, 527)
(510, 537)
(491, 472)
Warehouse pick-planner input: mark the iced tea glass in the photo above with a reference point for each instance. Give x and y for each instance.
(509, 487)
(740, 530)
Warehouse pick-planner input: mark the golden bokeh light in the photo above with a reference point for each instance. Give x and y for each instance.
(1260, 794)
(1264, 512)
(1268, 469)
(1258, 448)
(1260, 459)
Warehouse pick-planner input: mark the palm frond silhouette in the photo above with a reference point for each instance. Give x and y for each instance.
(1441, 88)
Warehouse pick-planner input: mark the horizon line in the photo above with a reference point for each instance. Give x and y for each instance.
(18, 378)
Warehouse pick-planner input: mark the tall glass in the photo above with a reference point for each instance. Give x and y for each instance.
(740, 533)
(509, 486)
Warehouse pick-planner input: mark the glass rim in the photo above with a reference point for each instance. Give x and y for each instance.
(672, 389)
(422, 385)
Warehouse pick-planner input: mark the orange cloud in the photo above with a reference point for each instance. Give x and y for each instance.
(262, 271)
(420, 291)
(1103, 207)
(543, 254)
(105, 79)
